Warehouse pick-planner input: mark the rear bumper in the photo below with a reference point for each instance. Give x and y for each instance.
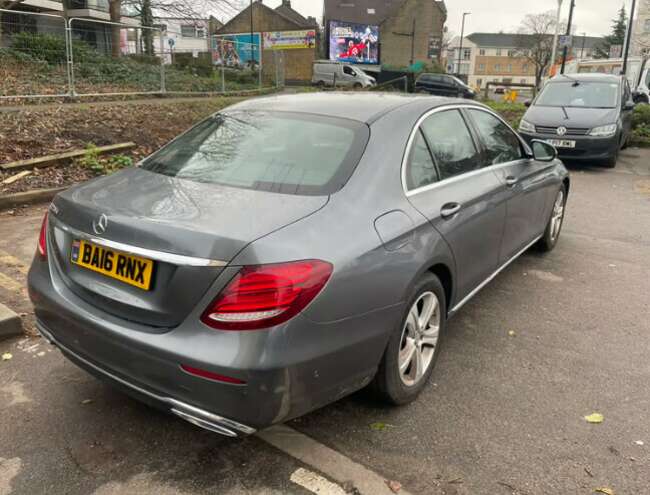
(587, 147)
(288, 370)
(194, 415)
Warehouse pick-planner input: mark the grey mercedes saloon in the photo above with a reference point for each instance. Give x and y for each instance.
(290, 250)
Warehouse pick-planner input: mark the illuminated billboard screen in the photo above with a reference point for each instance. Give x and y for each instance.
(353, 43)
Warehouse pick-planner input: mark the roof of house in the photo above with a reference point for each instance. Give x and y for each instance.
(286, 10)
(366, 11)
(283, 11)
(512, 40)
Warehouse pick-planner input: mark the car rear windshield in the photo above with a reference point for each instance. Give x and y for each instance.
(579, 94)
(283, 152)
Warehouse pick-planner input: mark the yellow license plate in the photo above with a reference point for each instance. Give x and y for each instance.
(124, 267)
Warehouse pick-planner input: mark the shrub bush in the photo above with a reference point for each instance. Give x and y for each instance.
(641, 116)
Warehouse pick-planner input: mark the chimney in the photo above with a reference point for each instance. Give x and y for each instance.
(286, 3)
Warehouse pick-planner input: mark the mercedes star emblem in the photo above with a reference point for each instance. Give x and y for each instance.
(100, 224)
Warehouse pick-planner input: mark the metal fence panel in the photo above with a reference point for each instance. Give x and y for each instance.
(33, 55)
(112, 58)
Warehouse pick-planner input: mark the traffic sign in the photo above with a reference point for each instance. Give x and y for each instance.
(566, 41)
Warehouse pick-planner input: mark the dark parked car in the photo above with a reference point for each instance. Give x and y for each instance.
(443, 85)
(290, 250)
(586, 117)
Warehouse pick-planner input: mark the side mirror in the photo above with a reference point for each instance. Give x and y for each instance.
(528, 103)
(542, 151)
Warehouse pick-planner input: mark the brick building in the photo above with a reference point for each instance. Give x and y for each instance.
(296, 63)
(497, 57)
(409, 30)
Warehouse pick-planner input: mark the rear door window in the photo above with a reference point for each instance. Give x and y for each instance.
(420, 171)
(501, 144)
(282, 152)
(451, 143)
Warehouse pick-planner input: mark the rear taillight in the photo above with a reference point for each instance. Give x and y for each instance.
(42, 238)
(266, 295)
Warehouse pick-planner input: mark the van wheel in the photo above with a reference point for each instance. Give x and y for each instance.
(612, 160)
(357, 86)
(414, 345)
(320, 84)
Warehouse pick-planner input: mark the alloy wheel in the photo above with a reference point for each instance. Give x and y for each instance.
(557, 216)
(419, 339)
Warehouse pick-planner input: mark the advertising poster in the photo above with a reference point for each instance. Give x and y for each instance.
(288, 40)
(236, 51)
(354, 43)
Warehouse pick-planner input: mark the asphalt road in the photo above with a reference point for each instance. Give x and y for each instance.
(550, 340)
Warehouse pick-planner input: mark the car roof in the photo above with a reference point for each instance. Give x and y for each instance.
(353, 105)
(589, 77)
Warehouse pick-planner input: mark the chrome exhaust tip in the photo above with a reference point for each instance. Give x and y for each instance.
(205, 424)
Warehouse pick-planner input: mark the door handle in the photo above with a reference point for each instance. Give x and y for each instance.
(511, 181)
(450, 209)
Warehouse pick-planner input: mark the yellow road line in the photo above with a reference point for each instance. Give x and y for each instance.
(9, 260)
(9, 283)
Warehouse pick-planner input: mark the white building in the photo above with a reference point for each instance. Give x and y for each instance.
(183, 35)
(641, 33)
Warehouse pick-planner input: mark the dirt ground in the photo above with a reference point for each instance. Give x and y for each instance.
(69, 127)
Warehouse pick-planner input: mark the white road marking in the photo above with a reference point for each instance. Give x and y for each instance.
(331, 463)
(9, 469)
(9, 283)
(315, 483)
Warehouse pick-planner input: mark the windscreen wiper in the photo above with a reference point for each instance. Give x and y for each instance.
(566, 115)
(576, 83)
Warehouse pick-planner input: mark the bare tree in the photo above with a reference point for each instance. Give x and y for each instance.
(535, 41)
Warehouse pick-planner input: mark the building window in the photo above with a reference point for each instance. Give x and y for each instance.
(188, 31)
(498, 52)
(371, 11)
(191, 31)
(524, 67)
(646, 26)
(497, 67)
(509, 68)
(479, 82)
(522, 81)
(481, 67)
(481, 52)
(511, 53)
(467, 53)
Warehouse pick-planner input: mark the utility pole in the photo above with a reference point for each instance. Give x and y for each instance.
(251, 47)
(568, 33)
(462, 35)
(582, 51)
(412, 43)
(628, 38)
(557, 33)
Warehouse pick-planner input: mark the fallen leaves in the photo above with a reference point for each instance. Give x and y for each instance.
(595, 418)
(394, 486)
(605, 490)
(7, 356)
(379, 426)
(85, 402)
(512, 333)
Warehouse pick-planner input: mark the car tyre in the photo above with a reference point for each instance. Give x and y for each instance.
(399, 380)
(611, 161)
(554, 226)
(358, 86)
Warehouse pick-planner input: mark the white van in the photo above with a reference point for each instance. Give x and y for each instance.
(328, 73)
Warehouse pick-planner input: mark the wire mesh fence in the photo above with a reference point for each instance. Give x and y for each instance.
(49, 55)
(33, 54)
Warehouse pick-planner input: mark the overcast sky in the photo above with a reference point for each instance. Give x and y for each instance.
(591, 16)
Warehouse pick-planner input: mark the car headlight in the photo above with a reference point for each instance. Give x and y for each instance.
(526, 126)
(604, 130)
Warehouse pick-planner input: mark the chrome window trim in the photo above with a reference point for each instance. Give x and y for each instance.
(416, 127)
(165, 257)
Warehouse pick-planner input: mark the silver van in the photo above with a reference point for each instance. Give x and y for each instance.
(328, 73)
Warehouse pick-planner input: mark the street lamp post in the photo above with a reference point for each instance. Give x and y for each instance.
(565, 53)
(462, 35)
(628, 38)
(582, 51)
(557, 32)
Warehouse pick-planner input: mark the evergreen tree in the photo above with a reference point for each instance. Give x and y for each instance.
(617, 37)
